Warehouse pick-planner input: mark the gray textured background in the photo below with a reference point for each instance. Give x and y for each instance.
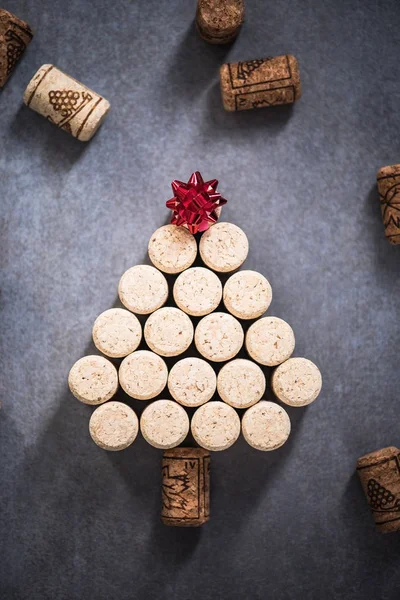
(79, 523)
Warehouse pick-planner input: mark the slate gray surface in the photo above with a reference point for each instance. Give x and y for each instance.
(79, 523)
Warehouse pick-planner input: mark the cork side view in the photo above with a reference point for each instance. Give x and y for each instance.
(260, 83)
(93, 379)
(164, 424)
(388, 180)
(143, 289)
(266, 426)
(297, 382)
(247, 294)
(143, 375)
(66, 102)
(215, 426)
(224, 247)
(192, 381)
(113, 426)
(172, 249)
(379, 473)
(15, 35)
(117, 332)
(270, 341)
(168, 331)
(185, 487)
(219, 21)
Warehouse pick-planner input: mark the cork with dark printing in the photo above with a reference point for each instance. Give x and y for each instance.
(388, 179)
(219, 21)
(15, 35)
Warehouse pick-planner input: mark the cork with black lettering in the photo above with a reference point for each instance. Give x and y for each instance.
(15, 35)
(388, 179)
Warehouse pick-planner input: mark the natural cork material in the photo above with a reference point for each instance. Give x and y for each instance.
(266, 426)
(241, 383)
(219, 21)
(168, 331)
(164, 424)
(379, 474)
(192, 381)
(93, 380)
(270, 341)
(143, 289)
(117, 332)
(172, 249)
(224, 247)
(215, 426)
(15, 35)
(143, 375)
(388, 179)
(297, 382)
(198, 291)
(185, 487)
(260, 83)
(113, 426)
(66, 102)
(247, 294)
(218, 337)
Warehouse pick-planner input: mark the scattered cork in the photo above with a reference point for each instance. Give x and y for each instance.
(143, 289)
(379, 474)
(93, 379)
(143, 375)
(224, 247)
(66, 102)
(266, 426)
(218, 337)
(259, 83)
(185, 487)
(164, 424)
(297, 382)
(270, 341)
(198, 291)
(113, 426)
(241, 383)
(192, 381)
(168, 331)
(215, 426)
(247, 294)
(388, 179)
(219, 21)
(172, 249)
(15, 35)
(117, 332)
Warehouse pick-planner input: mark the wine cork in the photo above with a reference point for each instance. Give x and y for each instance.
(379, 474)
(215, 426)
(164, 424)
(388, 179)
(192, 381)
(241, 383)
(247, 294)
(93, 379)
(266, 426)
(15, 35)
(143, 289)
(172, 249)
(185, 487)
(168, 331)
(66, 102)
(270, 341)
(117, 332)
(224, 247)
(219, 21)
(296, 382)
(218, 337)
(143, 375)
(197, 291)
(113, 426)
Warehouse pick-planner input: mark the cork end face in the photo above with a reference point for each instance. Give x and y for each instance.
(373, 458)
(220, 17)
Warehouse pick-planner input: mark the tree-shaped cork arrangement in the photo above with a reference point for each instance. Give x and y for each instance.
(193, 382)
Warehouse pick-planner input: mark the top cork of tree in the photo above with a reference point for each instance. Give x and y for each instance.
(219, 21)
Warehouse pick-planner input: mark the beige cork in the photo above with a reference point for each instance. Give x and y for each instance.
(164, 424)
(388, 180)
(113, 426)
(143, 375)
(260, 83)
(198, 291)
(168, 331)
(143, 289)
(172, 249)
(241, 383)
(247, 294)
(224, 247)
(266, 426)
(66, 102)
(192, 381)
(297, 382)
(93, 379)
(15, 35)
(219, 21)
(117, 332)
(215, 426)
(270, 341)
(218, 337)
